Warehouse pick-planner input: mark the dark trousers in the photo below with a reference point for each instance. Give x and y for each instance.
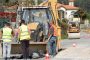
(25, 48)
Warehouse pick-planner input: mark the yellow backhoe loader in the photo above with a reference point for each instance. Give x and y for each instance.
(37, 18)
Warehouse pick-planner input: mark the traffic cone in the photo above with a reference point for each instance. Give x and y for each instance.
(47, 57)
(74, 45)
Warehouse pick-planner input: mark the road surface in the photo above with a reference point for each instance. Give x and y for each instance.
(75, 49)
(81, 49)
(84, 41)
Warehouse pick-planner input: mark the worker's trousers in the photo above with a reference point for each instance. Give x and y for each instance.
(25, 48)
(52, 46)
(6, 49)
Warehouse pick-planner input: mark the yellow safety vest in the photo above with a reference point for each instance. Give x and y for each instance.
(7, 34)
(24, 34)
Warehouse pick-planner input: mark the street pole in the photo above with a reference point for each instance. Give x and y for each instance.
(36, 2)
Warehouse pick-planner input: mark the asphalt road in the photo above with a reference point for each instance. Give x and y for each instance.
(75, 49)
(83, 42)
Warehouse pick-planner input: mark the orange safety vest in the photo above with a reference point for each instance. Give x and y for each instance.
(55, 30)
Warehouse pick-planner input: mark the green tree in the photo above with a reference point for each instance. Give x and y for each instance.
(64, 27)
(82, 14)
(7, 1)
(88, 16)
(40, 1)
(32, 2)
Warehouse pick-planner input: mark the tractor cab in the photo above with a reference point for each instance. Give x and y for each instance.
(37, 18)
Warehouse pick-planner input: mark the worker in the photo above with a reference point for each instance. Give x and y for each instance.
(1, 42)
(58, 39)
(52, 41)
(24, 34)
(7, 34)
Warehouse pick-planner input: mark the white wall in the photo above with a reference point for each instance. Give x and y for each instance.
(62, 8)
(71, 3)
(69, 13)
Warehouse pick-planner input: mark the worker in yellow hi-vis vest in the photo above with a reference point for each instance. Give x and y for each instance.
(24, 35)
(7, 34)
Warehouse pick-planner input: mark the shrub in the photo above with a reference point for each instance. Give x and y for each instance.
(64, 26)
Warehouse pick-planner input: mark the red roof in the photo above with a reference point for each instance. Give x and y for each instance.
(68, 7)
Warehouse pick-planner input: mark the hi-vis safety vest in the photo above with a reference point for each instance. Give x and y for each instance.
(24, 34)
(7, 34)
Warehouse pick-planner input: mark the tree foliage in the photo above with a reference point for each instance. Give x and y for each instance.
(64, 27)
(82, 14)
(6, 1)
(63, 24)
(33, 2)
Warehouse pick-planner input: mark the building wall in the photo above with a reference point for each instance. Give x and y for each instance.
(62, 8)
(71, 3)
(69, 13)
(62, 12)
